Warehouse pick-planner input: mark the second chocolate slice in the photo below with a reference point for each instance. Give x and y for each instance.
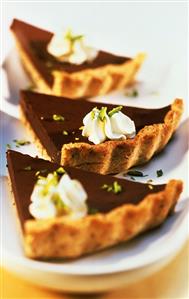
(56, 125)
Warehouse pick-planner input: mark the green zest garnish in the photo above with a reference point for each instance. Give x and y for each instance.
(81, 128)
(149, 181)
(65, 133)
(30, 87)
(135, 93)
(155, 93)
(107, 187)
(136, 173)
(40, 177)
(131, 93)
(92, 211)
(8, 146)
(60, 206)
(115, 110)
(60, 170)
(93, 112)
(102, 113)
(115, 187)
(49, 64)
(159, 173)
(132, 178)
(58, 117)
(151, 187)
(21, 142)
(47, 183)
(39, 172)
(73, 38)
(27, 168)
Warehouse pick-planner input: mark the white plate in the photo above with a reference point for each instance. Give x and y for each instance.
(98, 272)
(123, 263)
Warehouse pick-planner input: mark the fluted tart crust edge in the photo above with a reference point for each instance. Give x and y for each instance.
(63, 238)
(86, 83)
(113, 156)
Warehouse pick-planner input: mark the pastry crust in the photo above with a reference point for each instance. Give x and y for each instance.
(64, 238)
(112, 157)
(86, 83)
(95, 82)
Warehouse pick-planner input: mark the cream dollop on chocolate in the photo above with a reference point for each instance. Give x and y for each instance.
(67, 47)
(100, 125)
(52, 197)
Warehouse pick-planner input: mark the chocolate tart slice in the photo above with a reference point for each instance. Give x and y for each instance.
(105, 73)
(154, 129)
(118, 217)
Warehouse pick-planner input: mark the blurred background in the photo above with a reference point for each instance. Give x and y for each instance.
(154, 27)
(157, 28)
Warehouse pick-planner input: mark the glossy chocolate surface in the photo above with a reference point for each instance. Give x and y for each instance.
(23, 182)
(34, 42)
(39, 110)
(103, 58)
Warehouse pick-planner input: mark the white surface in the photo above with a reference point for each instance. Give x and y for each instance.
(160, 30)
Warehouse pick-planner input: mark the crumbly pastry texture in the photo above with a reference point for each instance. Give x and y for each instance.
(116, 156)
(63, 238)
(86, 83)
(99, 81)
(112, 157)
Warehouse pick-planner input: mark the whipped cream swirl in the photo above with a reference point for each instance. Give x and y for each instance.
(52, 197)
(70, 48)
(100, 125)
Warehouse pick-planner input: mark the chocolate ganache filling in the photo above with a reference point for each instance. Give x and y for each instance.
(102, 59)
(34, 42)
(23, 168)
(39, 110)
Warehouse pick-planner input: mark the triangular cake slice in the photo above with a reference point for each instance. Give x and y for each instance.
(105, 73)
(112, 217)
(62, 141)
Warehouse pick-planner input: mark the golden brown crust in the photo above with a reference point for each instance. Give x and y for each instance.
(86, 83)
(99, 81)
(63, 238)
(117, 156)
